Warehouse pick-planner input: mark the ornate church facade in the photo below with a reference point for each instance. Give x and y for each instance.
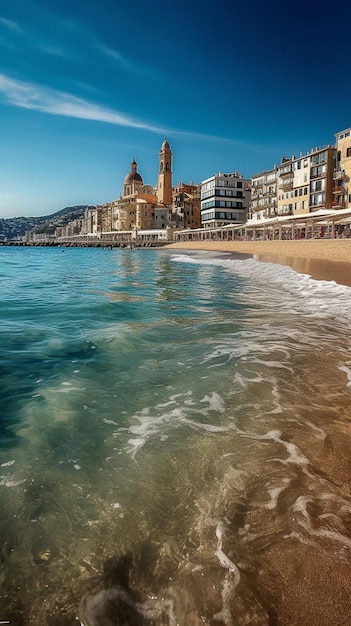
(140, 206)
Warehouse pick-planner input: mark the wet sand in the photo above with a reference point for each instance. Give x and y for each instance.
(323, 259)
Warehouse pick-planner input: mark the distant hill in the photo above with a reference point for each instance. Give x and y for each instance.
(14, 227)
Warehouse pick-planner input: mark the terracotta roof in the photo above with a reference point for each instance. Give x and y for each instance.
(148, 197)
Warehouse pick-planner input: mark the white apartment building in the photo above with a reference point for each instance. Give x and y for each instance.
(224, 200)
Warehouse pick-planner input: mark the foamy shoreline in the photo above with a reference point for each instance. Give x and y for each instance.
(323, 259)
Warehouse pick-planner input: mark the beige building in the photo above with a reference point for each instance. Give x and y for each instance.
(139, 206)
(143, 207)
(305, 183)
(264, 194)
(342, 172)
(297, 186)
(186, 206)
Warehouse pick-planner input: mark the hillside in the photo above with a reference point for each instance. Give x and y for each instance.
(15, 227)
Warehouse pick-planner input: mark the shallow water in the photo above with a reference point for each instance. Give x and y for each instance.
(175, 440)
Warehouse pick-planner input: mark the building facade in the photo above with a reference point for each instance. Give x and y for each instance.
(224, 200)
(138, 207)
(342, 171)
(264, 194)
(297, 186)
(186, 206)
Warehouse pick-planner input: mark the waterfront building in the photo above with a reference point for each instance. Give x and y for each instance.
(98, 219)
(285, 186)
(224, 200)
(322, 164)
(342, 171)
(186, 205)
(264, 194)
(139, 206)
(135, 207)
(305, 182)
(297, 186)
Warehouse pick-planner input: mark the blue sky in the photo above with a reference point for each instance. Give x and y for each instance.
(86, 86)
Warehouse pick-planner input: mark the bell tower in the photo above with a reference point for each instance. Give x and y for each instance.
(164, 181)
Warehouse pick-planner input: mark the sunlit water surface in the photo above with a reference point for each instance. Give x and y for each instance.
(175, 441)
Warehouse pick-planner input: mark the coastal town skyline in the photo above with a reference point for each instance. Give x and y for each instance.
(82, 92)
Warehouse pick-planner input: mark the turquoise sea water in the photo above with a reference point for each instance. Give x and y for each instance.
(175, 440)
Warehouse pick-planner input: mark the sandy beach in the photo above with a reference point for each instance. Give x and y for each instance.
(323, 259)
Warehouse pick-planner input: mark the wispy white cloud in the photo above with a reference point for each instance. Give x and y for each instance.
(54, 50)
(117, 57)
(53, 102)
(10, 25)
(113, 54)
(127, 64)
(68, 39)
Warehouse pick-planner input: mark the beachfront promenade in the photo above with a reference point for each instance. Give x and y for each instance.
(320, 224)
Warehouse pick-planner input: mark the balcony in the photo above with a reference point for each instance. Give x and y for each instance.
(318, 175)
(257, 191)
(285, 211)
(339, 189)
(286, 184)
(338, 204)
(339, 175)
(284, 173)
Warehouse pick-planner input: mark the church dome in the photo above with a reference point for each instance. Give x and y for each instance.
(133, 175)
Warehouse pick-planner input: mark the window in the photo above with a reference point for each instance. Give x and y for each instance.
(321, 157)
(317, 199)
(348, 152)
(318, 185)
(318, 171)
